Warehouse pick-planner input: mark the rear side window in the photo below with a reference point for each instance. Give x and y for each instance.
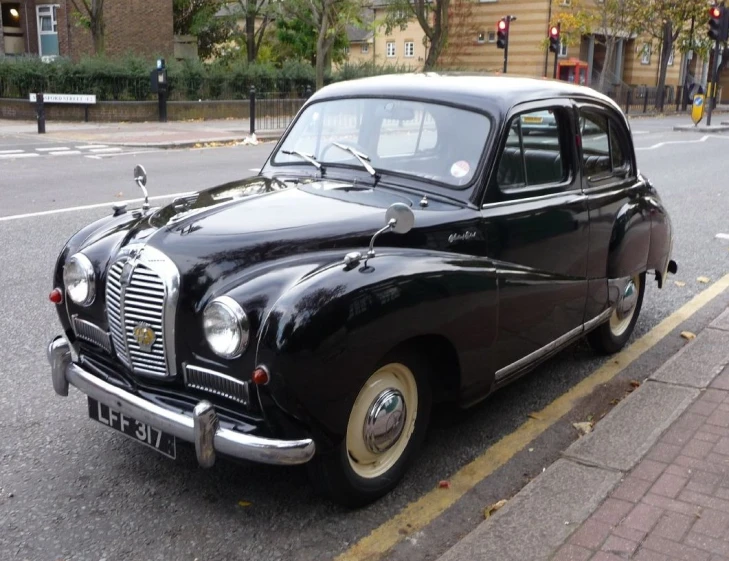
(534, 153)
(603, 146)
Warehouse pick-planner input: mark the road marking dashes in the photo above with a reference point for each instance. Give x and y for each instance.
(52, 149)
(23, 155)
(104, 150)
(66, 153)
(89, 146)
(11, 151)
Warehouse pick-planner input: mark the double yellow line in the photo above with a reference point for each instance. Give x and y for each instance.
(420, 513)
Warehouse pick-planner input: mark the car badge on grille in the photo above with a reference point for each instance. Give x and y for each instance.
(144, 336)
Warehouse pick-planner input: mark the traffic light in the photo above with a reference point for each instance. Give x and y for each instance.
(718, 23)
(554, 39)
(502, 33)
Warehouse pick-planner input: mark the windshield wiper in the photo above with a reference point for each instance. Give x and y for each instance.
(308, 157)
(364, 159)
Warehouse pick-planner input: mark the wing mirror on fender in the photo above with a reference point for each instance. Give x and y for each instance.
(140, 176)
(399, 218)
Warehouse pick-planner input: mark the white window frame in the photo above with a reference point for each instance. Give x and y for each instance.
(645, 55)
(481, 37)
(492, 37)
(365, 48)
(46, 10)
(562, 50)
(410, 44)
(390, 49)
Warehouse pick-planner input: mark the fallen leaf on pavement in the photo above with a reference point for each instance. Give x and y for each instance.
(688, 335)
(635, 383)
(535, 416)
(493, 508)
(444, 484)
(119, 195)
(703, 280)
(679, 283)
(244, 503)
(583, 428)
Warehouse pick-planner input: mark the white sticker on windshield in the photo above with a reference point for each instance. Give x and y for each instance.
(460, 169)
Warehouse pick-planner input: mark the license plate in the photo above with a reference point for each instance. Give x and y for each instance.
(141, 432)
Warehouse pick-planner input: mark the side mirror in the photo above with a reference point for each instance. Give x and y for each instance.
(140, 176)
(400, 218)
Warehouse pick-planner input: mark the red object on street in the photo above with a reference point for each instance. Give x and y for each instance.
(56, 296)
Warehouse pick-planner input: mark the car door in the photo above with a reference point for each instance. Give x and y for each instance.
(535, 217)
(613, 198)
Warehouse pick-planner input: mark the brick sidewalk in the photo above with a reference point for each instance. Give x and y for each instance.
(675, 503)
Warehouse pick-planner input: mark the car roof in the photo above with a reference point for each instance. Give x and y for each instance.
(495, 92)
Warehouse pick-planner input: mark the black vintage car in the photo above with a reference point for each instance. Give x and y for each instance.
(404, 244)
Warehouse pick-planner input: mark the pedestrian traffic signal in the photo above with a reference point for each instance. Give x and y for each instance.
(502, 33)
(718, 23)
(554, 38)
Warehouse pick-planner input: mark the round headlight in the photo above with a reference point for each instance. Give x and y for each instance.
(78, 278)
(226, 327)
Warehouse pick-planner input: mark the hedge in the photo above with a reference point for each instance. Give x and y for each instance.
(128, 78)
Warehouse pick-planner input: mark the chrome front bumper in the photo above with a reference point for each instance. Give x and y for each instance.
(201, 428)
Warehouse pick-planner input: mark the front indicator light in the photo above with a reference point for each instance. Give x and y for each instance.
(56, 296)
(260, 376)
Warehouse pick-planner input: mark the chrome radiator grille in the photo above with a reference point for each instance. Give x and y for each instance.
(137, 304)
(216, 383)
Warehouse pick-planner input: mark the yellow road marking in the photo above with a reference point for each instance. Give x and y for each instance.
(420, 513)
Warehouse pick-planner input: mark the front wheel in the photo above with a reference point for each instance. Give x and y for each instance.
(612, 336)
(386, 427)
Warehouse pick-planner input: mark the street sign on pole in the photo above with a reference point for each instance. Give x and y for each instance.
(697, 109)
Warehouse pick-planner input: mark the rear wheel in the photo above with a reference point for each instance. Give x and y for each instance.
(386, 427)
(612, 335)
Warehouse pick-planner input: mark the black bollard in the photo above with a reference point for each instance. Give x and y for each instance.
(40, 113)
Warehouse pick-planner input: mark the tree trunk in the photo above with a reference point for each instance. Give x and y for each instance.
(2, 38)
(251, 50)
(97, 33)
(609, 48)
(439, 37)
(665, 55)
(320, 53)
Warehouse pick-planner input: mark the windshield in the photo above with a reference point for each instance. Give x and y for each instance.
(425, 140)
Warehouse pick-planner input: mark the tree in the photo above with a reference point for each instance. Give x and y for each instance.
(329, 18)
(200, 18)
(253, 10)
(614, 21)
(664, 22)
(464, 29)
(2, 38)
(575, 20)
(433, 17)
(297, 40)
(92, 15)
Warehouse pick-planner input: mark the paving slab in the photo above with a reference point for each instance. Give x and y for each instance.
(722, 322)
(622, 438)
(699, 362)
(540, 517)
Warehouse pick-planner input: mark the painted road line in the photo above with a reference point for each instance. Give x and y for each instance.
(722, 236)
(67, 153)
(104, 150)
(86, 207)
(57, 148)
(666, 143)
(89, 146)
(28, 155)
(11, 151)
(418, 514)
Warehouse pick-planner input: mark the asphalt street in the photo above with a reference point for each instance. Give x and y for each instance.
(72, 490)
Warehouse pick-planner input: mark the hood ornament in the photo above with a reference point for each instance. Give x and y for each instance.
(140, 176)
(399, 219)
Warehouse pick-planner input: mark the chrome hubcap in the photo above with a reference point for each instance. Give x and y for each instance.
(627, 301)
(385, 421)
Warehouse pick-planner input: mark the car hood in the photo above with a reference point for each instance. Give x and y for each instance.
(221, 232)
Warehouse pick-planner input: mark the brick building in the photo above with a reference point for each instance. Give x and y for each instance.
(51, 28)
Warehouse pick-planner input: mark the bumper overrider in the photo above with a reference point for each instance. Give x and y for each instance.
(201, 428)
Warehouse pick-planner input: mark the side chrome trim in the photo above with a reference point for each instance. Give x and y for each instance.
(551, 347)
(199, 427)
(92, 333)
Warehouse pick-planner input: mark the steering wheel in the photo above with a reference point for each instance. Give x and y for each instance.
(350, 144)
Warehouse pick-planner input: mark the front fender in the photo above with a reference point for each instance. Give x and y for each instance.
(326, 334)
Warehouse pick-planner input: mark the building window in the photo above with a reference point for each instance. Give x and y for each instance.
(562, 49)
(481, 37)
(47, 30)
(645, 55)
(409, 49)
(492, 36)
(565, 2)
(365, 49)
(391, 49)
(346, 50)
